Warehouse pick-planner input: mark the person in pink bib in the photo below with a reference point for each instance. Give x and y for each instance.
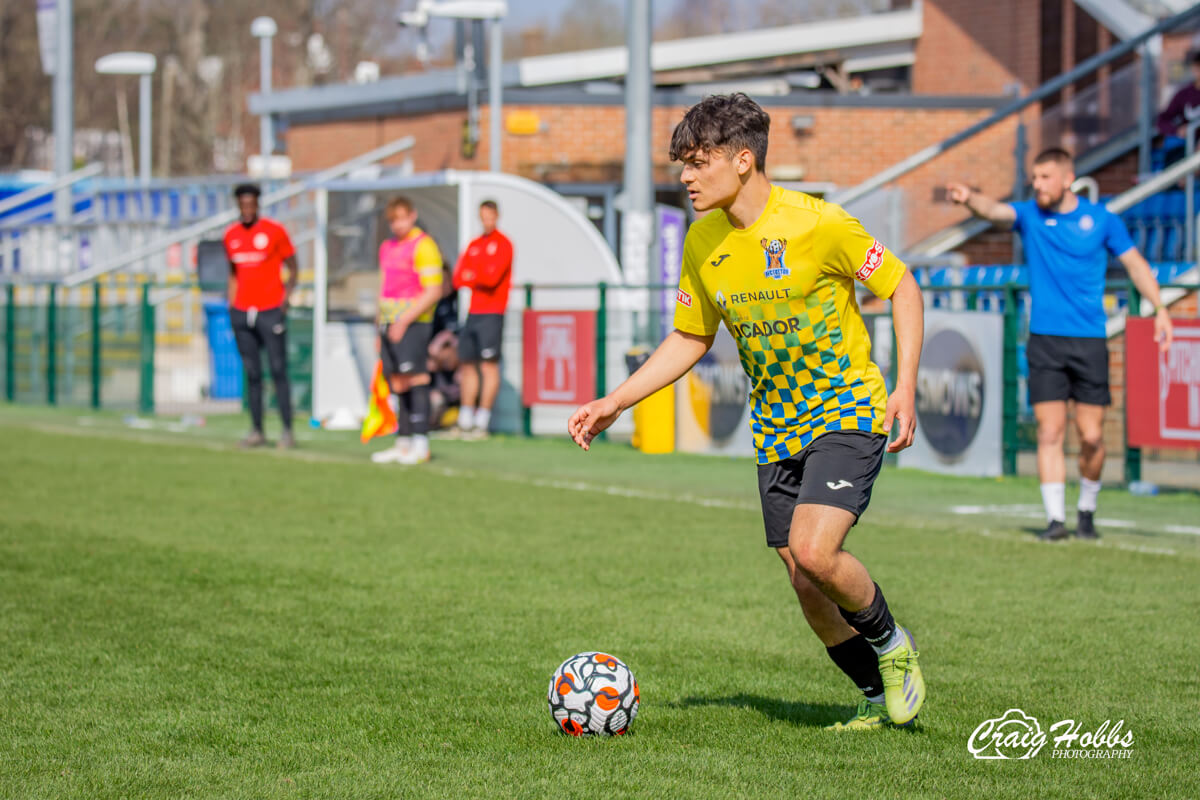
(410, 285)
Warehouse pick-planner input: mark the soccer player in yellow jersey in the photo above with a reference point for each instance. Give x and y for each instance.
(779, 268)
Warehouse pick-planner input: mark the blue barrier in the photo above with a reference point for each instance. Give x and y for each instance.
(226, 369)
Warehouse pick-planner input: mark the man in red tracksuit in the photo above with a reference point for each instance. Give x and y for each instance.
(486, 269)
(259, 251)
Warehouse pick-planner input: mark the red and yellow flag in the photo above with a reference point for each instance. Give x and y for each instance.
(380, 420)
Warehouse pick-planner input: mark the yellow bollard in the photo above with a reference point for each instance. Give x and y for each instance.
(654, 422)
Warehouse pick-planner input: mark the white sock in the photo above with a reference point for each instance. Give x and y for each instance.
(1054, 498)
(897, 639)
(1088, 491)
(466, 417)
(403, 442)
(420, 443)
(482, 417)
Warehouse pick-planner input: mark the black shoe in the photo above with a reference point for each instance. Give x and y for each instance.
(1086, 528)
(1055, 531)
(254, 439)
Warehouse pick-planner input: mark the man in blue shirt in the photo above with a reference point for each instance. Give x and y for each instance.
(1067, 243)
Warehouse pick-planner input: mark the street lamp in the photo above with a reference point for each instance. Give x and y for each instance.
(264, 29)
(493, 11)
(142, 65)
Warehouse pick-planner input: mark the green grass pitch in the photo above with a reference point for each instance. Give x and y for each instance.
(182, 620)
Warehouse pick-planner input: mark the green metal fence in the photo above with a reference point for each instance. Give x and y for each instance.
(99, 345)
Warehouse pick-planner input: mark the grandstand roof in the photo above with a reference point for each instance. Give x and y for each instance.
(858, 44)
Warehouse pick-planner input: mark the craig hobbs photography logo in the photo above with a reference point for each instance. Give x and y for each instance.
(1017, 735)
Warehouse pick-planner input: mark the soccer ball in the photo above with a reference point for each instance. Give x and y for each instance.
(593, 693)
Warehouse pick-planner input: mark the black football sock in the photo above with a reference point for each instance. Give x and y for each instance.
(403, 424)
(858, 660)
(874, 622)
(419, 410)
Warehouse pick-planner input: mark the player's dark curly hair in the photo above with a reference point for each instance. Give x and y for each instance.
(726, 122)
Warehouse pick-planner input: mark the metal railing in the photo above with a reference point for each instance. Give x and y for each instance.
(101, 346)
(96, 346)
(223, 219)
(1184, 169)
(1042, 92)
(1189, 184)
(68, 180)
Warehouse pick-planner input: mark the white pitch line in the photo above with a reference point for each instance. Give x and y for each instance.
(1021, 511)
(1033, 512)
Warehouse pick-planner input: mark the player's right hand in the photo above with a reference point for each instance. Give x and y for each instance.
(588, 422)
(958, 193)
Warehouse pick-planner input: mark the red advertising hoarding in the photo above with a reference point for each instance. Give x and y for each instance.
(560, 358)
(1162, 390)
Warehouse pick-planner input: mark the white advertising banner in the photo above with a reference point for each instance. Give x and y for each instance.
(960, 395)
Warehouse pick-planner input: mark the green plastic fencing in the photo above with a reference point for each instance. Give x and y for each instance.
(96, 345)
(646, 328)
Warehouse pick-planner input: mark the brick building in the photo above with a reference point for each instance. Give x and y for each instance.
(848, 98)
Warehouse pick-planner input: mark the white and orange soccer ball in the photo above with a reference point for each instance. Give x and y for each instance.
(593, 693)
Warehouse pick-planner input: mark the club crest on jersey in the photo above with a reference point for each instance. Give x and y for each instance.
(775, 250)
(871, 262)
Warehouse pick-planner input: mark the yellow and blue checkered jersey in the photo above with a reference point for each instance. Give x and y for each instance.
(785, 289)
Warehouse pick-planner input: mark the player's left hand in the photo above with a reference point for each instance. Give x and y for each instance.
(902, 415)
(396, 331)
(1164, 332)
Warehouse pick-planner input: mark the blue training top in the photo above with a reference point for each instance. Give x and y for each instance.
(1068, 256)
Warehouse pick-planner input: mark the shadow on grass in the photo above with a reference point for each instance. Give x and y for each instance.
(809, 715)
(813, 715)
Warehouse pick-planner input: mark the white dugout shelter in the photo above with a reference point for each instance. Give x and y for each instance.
(553, 243)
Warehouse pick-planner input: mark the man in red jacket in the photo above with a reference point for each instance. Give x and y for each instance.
(486, 269)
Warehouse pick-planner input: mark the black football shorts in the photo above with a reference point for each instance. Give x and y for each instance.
(410, 355)
(1068, 367)
(480, 338)
(836, 469)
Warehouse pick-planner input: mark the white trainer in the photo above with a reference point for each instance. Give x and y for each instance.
(391, 455)
(414, 456)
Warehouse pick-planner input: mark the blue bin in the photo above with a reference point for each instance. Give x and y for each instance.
(226, 370)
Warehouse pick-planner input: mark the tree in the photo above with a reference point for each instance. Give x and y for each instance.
(24, 91)
(208, 66)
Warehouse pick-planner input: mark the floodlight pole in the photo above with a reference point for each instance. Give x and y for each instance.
(637, 230)
(144, 102)
(266, 144)
(142, 65)
(495, 90)
(493, 11)
(264, 29)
